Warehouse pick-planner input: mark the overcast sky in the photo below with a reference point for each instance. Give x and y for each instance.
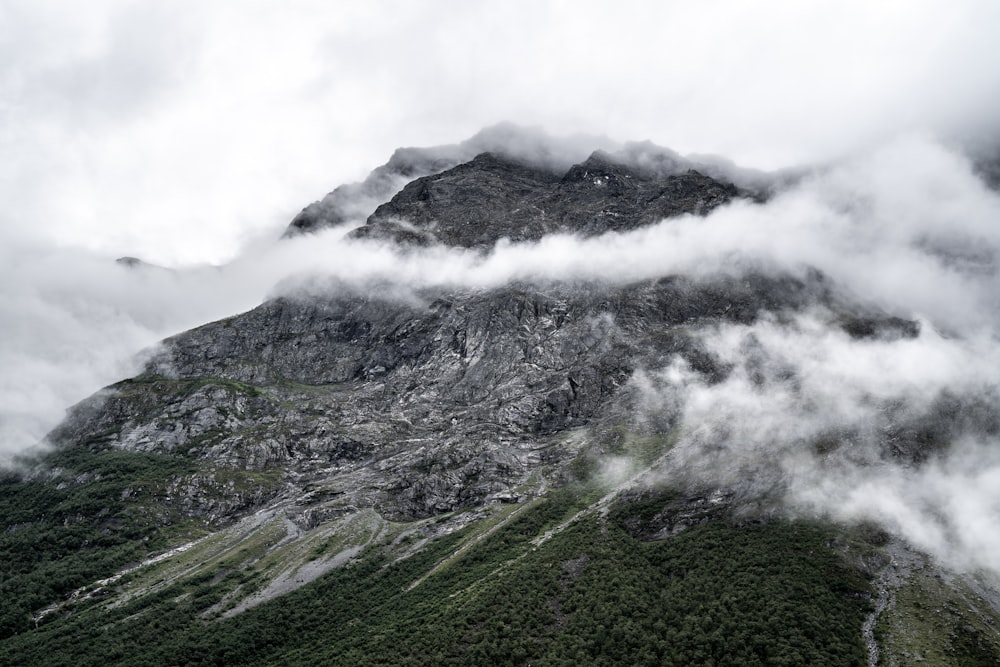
(190, 132)
(187, 132)
(180, 130)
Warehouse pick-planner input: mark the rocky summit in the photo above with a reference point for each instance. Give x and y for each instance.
(385, 474)
(491, 197)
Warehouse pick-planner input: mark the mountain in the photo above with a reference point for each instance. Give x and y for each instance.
(407, 474)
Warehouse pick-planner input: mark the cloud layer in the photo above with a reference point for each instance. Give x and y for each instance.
(907, 227)
(177, 131)
(900, 432)
(189, 132)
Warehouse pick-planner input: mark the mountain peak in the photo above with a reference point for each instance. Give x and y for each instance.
(493, 196)
(579, 449)
(527, 163)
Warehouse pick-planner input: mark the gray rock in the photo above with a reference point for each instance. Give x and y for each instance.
(475, 204)
(417, 403)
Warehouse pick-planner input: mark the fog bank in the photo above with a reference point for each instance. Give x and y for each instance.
(902, 431)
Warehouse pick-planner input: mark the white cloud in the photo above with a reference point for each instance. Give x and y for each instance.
(76, 319)
(186, 131)
(807, 416)
(172, 130)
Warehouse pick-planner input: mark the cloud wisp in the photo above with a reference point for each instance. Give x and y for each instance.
(908, 227)
(172, 130)
(902, 432)
(807, 413)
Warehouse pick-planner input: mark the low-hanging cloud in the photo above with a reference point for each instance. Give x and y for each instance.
(805, 415)
(901, 432)
(908, 227)
(171, 130)
(810, 415)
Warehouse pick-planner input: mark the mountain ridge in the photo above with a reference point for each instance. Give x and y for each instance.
(429, 439)
(526, 151)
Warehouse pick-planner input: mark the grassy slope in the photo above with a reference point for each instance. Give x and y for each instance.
(717, 593)
(938, 619)
(102, 510)
(63, 534)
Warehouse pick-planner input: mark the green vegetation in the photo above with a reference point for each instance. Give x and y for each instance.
(62, 534)
(95, 512)
(937, 622)
(185, 386)
(718, 593)
(645, 448)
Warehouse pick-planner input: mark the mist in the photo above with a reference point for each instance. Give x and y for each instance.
(809, 418)
(191, 137)
(901, 432)
(898, 430)
(176, 131)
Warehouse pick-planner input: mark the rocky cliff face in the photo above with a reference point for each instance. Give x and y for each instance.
(508, 182)
(357, 415)
(491, 197)
(417, 402)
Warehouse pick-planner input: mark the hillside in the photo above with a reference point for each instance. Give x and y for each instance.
(546, 471)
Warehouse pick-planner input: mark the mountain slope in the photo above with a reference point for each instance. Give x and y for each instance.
(387, 474)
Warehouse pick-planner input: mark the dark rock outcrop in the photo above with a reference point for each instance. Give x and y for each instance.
(424, 401)
(511, 181)
(353, 203)
(421, 403)
(475, 204)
